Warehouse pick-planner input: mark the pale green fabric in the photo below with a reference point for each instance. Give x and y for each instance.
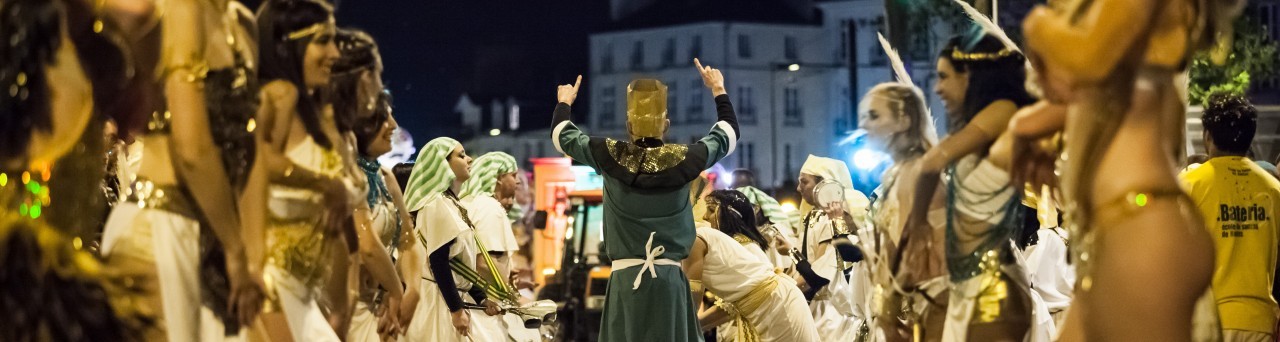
(484, 174)
(431, 173)
(767, 204)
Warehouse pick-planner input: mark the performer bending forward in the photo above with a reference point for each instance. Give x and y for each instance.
(648, 219)
(764, 305)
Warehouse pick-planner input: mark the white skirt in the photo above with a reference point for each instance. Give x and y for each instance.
(298, 303)
(364, 325)
(784, 316)
(432, 321)
(175, 246)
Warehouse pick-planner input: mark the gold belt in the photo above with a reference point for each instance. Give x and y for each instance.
(748, 304)
(167, 197)
(299, 248)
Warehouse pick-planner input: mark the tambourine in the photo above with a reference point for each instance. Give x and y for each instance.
(828, 192)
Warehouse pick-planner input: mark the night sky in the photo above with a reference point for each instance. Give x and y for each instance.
(436, 50)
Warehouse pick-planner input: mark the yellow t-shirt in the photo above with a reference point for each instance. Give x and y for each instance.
(1240, 202)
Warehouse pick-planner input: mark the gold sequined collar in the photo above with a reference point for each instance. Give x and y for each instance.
(638, 159)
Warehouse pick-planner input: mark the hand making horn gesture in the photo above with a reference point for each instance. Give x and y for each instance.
(711, 77)
(567, 93)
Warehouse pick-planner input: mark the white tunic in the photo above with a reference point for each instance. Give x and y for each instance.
(731, 270)
(439, 222)
(493, 228)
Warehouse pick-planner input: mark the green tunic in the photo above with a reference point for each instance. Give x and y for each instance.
(646, 193)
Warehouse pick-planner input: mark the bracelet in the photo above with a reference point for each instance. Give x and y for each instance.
(695, 286)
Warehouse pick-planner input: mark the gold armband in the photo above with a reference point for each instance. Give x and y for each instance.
(839, 226)
(695, 286)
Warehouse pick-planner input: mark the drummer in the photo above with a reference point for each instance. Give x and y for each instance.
(825, 274)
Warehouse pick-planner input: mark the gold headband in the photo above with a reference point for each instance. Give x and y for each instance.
(981, 56)
(307, 31)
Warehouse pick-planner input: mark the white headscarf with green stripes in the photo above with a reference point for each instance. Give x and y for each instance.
(431, 173)
(767, 204)
(484, 174)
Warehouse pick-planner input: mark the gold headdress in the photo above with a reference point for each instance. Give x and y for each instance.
(647, 108)
(308, 31)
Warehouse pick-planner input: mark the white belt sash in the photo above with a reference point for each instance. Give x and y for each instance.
(648, 263)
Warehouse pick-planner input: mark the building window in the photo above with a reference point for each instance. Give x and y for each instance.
(695, 102)
(673, 103)
(608, 103)
(669, 52)
(637, 55)
(748, 156)
(878, 56)
(695, 48)
(790, 48)
(846, 27)
(744, 46)
(791, 107)
(606, 59)
(747, 109)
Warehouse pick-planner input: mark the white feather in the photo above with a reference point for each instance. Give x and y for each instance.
(895, 60)
(987, 25)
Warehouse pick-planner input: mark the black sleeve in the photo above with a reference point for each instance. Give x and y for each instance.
(724, 112)
(439, 263)
(562, 113)
(478, 294)
(815, 282)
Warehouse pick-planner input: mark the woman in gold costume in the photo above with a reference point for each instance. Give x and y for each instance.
(65, 69)
(193, 243)
(306, 161)
(1115, 65)
(384, 228)
(981, 83)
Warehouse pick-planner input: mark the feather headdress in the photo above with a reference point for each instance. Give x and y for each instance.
(895, 60)
(988, 25)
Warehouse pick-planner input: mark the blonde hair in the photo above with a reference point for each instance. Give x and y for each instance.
(907, 101)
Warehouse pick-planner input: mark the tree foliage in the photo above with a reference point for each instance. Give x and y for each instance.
(1252, 58)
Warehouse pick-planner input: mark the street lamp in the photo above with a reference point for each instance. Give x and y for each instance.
(495, 132)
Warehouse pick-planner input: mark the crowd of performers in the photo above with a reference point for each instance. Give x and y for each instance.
(248, 203)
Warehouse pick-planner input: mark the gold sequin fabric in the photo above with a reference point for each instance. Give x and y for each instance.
(298, 245)
(646, 160)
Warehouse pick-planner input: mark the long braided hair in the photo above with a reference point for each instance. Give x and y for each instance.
(736, 216)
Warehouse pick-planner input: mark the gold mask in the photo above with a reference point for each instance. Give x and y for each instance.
(647, 108)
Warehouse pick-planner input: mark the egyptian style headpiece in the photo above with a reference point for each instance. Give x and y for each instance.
(983, 26)
(647, 108)
(485, 172)
(431, 173)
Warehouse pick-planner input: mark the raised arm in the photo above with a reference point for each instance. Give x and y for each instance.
(565, 135)
(723, 138)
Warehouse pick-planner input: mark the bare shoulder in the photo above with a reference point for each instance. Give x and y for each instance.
(280, 90)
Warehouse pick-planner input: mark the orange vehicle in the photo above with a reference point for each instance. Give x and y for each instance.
(568, 248)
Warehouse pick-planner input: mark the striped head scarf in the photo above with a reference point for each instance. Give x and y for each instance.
(484, 174)
(767, 204)
(431, 174)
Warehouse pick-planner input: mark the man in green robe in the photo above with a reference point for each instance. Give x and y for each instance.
(648, 218)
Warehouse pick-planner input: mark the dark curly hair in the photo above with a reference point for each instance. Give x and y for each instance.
(737, 216)
(1231, 122)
